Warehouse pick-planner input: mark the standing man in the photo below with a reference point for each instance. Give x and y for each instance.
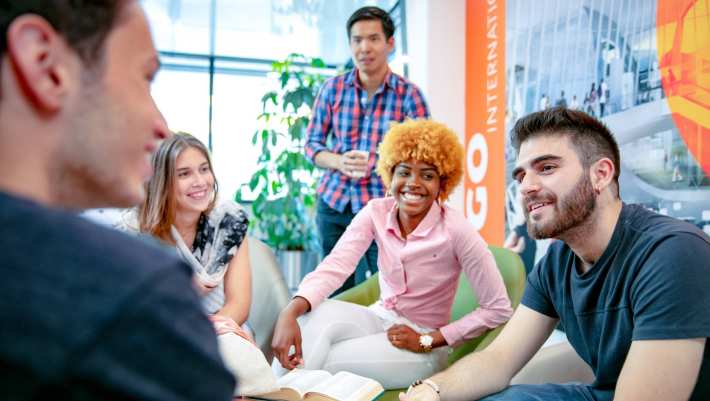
(603, 97)
(562, 101)
(629, 286)
(88, 313)
(350, 117)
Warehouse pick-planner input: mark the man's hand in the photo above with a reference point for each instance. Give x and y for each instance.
(353, 163)
(404, 337)
(515, 243)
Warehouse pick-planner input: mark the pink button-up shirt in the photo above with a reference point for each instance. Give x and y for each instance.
(418, 275)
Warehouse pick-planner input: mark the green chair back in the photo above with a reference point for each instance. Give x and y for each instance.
(513, 272)
(365, 293)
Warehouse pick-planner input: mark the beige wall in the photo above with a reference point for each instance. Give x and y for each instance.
(436, 47)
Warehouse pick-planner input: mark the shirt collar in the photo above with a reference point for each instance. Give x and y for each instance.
(432, 218)
(390, 80)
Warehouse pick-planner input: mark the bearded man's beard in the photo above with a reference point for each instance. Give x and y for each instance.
(573, 210)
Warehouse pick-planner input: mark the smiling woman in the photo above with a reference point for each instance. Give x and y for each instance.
(415, 185)
(424, 246)
(420, 162)
(181, 209)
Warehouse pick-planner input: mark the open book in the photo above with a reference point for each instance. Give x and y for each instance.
(319, 385)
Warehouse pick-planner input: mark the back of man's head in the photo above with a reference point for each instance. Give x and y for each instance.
(84, 24)
(372, 13)
(75, 101)
(590, 138)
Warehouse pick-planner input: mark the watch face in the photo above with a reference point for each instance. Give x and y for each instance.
(426, 340)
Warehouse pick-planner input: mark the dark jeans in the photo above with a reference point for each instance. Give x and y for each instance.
(551, 392)
(331, 225)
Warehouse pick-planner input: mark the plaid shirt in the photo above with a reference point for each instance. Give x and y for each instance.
(343, 120)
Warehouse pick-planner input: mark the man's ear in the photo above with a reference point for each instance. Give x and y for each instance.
(390, 44)
(39, 57)
(602, 174)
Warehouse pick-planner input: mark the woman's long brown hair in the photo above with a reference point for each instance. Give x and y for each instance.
(157, 213)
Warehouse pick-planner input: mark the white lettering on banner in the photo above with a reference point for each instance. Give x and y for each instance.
(492, 67)
(480, 197)
(478, 194)
(476, 173)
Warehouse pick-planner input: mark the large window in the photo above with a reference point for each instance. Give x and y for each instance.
(558, 46)
(182, 98)
(216, 55)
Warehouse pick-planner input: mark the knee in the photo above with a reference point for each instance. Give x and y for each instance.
(329, 308)
(325, 313)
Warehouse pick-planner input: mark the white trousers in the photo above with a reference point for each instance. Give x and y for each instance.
(345, 336)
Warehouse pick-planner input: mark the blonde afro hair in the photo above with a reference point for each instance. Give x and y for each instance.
(426, 141)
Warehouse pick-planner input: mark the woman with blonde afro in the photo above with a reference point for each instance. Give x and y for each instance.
(424, 247)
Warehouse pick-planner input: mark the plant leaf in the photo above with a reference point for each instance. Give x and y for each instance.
(284, 78)
(284, 182)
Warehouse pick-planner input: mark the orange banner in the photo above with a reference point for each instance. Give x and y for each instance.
(683, 41)
(484, 183)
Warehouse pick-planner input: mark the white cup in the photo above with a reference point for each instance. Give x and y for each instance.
(363, 154)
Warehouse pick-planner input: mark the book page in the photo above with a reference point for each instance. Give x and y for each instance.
(303, 380)
(285, 394)
(295, 384)
(346, 386)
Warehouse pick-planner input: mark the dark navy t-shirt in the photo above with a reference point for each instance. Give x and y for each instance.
(90, 313)
(651, 283)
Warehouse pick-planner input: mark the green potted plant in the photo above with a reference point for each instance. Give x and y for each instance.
(284, 181)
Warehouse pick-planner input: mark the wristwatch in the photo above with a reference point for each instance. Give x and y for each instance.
(425, 341)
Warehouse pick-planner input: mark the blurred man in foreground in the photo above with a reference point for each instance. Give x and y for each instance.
(88, 312)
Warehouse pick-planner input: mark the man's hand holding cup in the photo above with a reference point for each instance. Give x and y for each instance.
(354, 163)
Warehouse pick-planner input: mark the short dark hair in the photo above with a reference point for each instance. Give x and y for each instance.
(590, 138)
(372, 13)
(84, 24)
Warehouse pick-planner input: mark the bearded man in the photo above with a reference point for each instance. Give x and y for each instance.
(628, 286)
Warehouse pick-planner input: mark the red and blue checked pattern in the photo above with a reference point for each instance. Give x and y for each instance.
(344, 120)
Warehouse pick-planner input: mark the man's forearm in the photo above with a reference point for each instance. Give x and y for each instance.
(326, 159)
(476, 375)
